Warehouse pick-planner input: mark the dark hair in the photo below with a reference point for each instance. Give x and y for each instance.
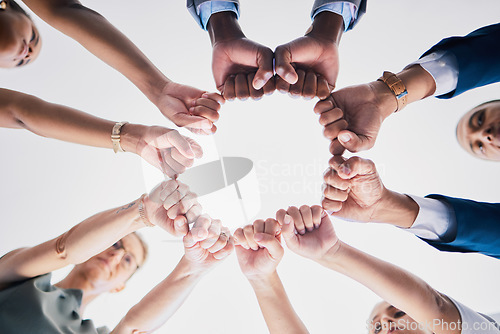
(482, 104)
(12, 4)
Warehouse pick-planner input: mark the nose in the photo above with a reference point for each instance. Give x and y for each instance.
(487, 134)
(116, 256)
(387, 323)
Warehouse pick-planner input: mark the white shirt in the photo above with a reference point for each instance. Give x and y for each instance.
(474, 323)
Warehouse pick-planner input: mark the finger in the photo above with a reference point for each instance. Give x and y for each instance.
(176, 196)
(205, 112)
(240, 239)
(335, 194)
(183, 206)
(305, 212)
(333, 179)
(226, 251)
(323, 88)
(241, 87)
(283, 64)
(270, 86)
(356, 166)
(354, 143)
(172, 163)
(330, 116)
(330, 205)
(213, 234)
(181, 227)
(181, 159)
(207, 103)
(229, 92)
(193, 213)
(272, 245)
(215, 97)
(317, 212)
(324, 105)
(258, 226)
(288, 232)
(265, 71)
(220, 243)
(296, 88)
(248, 232)
(332, 130)
(280, 216)
(297, 219)
(198, 151)
(183, 119)
(254, 93)
(272, 227)
(281, 85)
(310, 85)
(168, 187)
(200, 227)
(336, 147)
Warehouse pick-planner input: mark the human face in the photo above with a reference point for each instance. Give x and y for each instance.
(478, 131)
(385, 319)
(20, 41)
(109, 270)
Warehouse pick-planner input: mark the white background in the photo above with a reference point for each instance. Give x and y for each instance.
(48, 186)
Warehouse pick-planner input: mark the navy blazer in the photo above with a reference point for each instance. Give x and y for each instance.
(478, 57)
(478, 227)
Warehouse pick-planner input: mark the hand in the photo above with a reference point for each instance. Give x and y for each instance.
(189, 107)
(163, 148)
(353, 188)
(258, 248)
(352, 116)
(171, 206)
(241, 67)
(315, 235)
(309, 65)
(207, 243)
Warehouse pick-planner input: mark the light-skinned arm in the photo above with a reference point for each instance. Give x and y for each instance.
(96, 234)
(162, 147)
(259, 252)
(395, 285)
(176, 102)
(206, 245)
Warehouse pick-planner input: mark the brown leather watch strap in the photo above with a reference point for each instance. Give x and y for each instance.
(397, 87)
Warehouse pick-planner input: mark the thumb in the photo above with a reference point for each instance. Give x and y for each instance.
(265, 72)
(270, 243)
(288, 232)
(181, 144)
(284, 68)
(181, 226)
(353, 142)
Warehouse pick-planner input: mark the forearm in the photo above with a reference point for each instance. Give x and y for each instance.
(83, 241)
(161, 302)
(18, 110)
(106, 42)
(398, 287)
(276, 308)
(395, 209)
(224, 26)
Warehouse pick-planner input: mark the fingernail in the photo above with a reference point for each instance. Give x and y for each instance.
(205, 95)
(330, 212)
(258, 84)
(346, 170)
(302, 232)
(287, 219)
(316, 226)
(310, 229)
(290, 78)
(258, 237)
(257, 98)
(282, 91)
(345, 137)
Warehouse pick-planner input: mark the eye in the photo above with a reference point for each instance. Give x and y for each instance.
(480, 146)
(480, 119)
(21, 63)
(33, 35)
(117, 245)
(399, 314)
(378, 328)
(128, 259)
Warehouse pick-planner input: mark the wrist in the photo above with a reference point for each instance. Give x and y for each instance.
(190, 270)
(332, 254)
(130, 136)
(264, 281)
(384, 98)
(419, 83)
(327, 26)
(224, 26)
(396, 209)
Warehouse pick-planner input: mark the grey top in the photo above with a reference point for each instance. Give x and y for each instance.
(36, 306)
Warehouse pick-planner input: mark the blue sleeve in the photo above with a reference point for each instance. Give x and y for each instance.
(201, 10)
(477, 229)
(360, 5)
(478, 57)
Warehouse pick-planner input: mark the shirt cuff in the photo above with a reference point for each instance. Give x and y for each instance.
(433, 221)
(207, 8)
(347, 10)
(443, 67)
